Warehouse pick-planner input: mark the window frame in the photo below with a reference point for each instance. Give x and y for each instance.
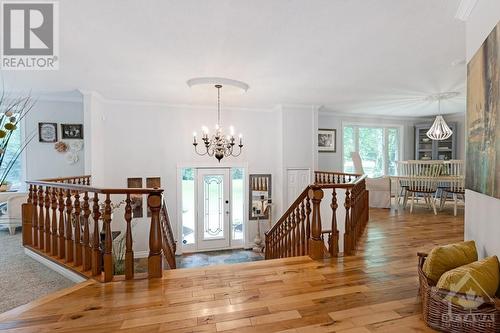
(385, 126)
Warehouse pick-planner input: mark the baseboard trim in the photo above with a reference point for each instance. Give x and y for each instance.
(141, 254)
(67, 273)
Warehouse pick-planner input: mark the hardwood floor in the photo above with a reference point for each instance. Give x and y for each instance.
(374, 291)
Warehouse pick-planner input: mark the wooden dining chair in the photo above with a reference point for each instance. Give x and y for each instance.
(456, 189)
(422, 180)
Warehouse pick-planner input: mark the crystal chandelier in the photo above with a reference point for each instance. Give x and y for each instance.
(439, 129)
(218, 144)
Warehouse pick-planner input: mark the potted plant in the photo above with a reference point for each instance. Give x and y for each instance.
(12, 111)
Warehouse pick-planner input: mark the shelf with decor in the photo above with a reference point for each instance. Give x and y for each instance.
(427, 149)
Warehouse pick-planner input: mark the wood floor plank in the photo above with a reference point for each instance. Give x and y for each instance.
(372, 291)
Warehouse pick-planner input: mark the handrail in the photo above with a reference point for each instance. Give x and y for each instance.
(169, 244)
(69, 221)
(299, 233)
(88, 188)
(62, 179)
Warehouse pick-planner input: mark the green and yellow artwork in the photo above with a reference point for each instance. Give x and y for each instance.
(483, 118)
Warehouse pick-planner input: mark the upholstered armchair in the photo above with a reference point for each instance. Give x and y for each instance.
(379, 188)
(12, 217)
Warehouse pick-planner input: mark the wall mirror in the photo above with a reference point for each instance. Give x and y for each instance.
(259, 196)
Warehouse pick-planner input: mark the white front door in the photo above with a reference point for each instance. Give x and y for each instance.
(213, 209)
(297, 180)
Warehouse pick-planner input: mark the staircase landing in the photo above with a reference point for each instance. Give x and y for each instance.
(374, 291)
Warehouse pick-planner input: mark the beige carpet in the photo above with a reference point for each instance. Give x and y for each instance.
(23, 279)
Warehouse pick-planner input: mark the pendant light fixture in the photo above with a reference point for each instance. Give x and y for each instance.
(439, 129)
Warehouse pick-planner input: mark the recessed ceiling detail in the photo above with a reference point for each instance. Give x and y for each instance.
(218, 81)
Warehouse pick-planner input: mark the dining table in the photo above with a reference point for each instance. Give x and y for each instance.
(442, 181)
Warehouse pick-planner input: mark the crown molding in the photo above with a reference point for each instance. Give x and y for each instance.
(464, 9)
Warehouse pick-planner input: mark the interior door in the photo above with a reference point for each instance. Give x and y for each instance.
(213, 209)
(297, 180)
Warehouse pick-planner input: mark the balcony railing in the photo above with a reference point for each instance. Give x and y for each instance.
(70, 222)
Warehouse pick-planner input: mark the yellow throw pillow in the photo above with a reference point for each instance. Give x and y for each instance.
(443, 258)
(480, 278)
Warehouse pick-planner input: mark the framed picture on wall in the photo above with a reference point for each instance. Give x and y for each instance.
(72, 131)
(47, 132)
(327, 140)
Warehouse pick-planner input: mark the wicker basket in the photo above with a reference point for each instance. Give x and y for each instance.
(442, 315)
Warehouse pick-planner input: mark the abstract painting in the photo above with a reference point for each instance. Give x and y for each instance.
(483, 118)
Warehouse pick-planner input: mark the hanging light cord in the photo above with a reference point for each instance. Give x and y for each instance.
(218, 104)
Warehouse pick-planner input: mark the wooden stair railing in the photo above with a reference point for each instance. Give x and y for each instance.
(64, 218)
(299, 231)
(169, 245)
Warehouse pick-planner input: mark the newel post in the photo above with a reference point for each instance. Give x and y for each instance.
(316, 245)
(154, 260)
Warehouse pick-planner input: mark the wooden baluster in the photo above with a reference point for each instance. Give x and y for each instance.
(334, 236)
(293, 240)
(41, 220)
(308, 223)
(108, 241)
(283, 240)
(69, 228)
(316, 246)
(289, 238)
(27, 218)
(48, 231)
(154, 260)
(286, 245)
(77, 240)
(280, 241)
(302, 229)
(61, 238)
(35, 216)
(96, 251)
(298, 223)
(347, 233)
(53, 235)
(354, 218)
(129, 253)
(86, 246)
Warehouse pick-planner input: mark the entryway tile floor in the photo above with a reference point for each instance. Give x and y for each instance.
(201, 259)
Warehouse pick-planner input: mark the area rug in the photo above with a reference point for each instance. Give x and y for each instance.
(23, 279)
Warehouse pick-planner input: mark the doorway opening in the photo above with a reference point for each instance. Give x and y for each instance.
(212, 201)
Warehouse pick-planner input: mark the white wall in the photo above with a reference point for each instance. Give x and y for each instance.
(481, 211)
(42, 160)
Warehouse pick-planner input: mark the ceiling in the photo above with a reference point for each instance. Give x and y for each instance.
(353, 56)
